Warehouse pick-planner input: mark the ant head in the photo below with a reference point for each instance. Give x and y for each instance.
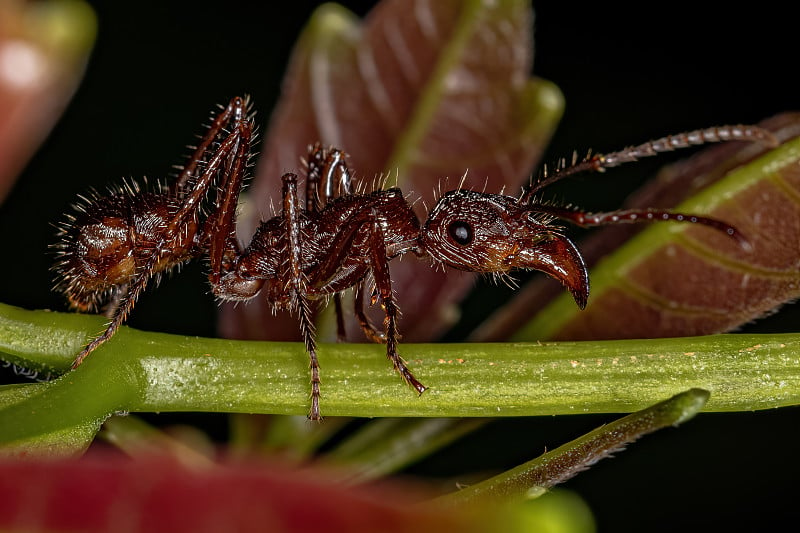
(491, 233)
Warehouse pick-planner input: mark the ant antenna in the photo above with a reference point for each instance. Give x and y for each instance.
(600, 162)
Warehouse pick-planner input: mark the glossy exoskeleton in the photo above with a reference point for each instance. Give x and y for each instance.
(313, 249)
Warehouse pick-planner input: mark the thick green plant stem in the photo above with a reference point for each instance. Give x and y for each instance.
(140, 371)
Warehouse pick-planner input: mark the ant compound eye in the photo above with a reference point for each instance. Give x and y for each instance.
(460, 232)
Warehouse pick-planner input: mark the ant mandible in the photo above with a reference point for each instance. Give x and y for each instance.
(112, 247)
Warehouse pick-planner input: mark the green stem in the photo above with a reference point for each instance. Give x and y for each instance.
(140, 371)
(387, 445)
(539, 475)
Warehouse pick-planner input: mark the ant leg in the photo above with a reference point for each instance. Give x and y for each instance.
(366, 326)
(179, 226)
(316, 158)
(327, 280)
(383, 280)
(326, 169)
(220, 226)
(335, 170)
(341, 330)
(235, 109)
(314, 203)
(115, 301)
(600, 162)
(634, 216)
(379, 264)
(297, 285)
(328, 177)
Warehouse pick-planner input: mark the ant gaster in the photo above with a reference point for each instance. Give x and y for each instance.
(112, 247)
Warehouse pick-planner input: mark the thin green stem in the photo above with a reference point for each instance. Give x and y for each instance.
(535, 477)
(387, 445)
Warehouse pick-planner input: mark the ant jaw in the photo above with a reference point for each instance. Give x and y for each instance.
(559, 258)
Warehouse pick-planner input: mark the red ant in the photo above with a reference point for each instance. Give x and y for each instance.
(113, 246)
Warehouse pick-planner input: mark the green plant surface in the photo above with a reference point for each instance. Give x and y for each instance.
(154, 372)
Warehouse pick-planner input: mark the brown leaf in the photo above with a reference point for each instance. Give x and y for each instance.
(155, 494)
(420, 93)
(697, 282)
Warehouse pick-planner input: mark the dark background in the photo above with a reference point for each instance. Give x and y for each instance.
(628, 75)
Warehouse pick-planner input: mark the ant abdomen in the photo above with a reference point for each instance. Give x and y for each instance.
(103, 243)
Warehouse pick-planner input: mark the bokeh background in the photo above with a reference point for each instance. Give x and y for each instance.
(627, 74)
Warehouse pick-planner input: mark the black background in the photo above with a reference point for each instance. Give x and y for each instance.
(628, 75)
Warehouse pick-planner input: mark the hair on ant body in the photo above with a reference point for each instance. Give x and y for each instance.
(111, 247)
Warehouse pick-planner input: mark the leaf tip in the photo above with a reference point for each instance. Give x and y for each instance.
(330, 18)
(688, 404)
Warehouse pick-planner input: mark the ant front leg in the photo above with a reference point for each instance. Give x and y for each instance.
(362, 237)
(297, 286)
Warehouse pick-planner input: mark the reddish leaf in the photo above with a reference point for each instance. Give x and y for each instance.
(697, 282)
(43, 51)
(112, 493)
(421, 92)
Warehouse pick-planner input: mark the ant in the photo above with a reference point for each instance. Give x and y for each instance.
(111, 247)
